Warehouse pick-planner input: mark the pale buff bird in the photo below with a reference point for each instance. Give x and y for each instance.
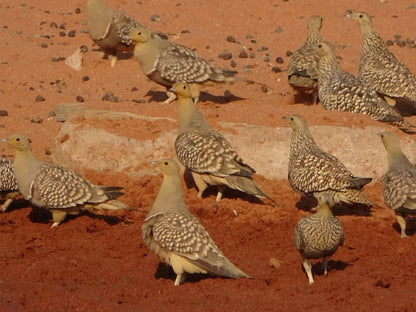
(110, 29)
(302, 71)
(8, 183)
(177, 237)
(381, 69)
(313, 172)
(340, 90)
(167, 62)
(318, 236)
(56, 188)
(207, 154)
(399, 188)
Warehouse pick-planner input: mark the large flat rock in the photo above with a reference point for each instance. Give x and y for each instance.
(265, 148)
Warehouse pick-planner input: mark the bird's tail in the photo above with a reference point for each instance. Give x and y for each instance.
(246, 185)
(111, 191)
(352, 196)
(112, 204)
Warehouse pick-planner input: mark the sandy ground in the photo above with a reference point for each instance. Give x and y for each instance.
(99, 262)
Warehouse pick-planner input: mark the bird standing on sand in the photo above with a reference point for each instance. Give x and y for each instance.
(318, 236)
(339, 90)
(109, 29)
(207, 154)
(313, 172)
(166, 62)
(302, 72)
(381, 69)
(56, 188)
(399, 188)
(177, 237)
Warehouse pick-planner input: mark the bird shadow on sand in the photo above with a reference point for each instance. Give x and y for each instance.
(308, 203)
(305, 99)
(228, 97)
(39, 215)
(228, 193)
(165, 271)
(318, 268)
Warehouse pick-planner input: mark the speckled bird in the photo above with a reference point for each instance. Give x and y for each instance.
(313, 172)
(318, 236)
(177, 237)
(399, 188)
(58, 189)
(8, 183)
(339, 90)
(302, 72)
(381, 69)
(166, 62)
(208, 156)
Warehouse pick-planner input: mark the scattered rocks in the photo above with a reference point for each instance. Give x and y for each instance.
(109, 97)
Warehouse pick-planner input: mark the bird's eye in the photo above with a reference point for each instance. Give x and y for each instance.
(139, 33)
(291, 118)
(319, 45)
(360, 16)
(184, 87)
(17, 139)
(165, 163)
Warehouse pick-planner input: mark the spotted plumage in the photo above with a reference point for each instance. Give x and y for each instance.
(207, 154)
(166, 62)
(399, 188)
(313, 172)
(318, 236)
(177, 237)
(56, 188)
(382, 70)
(302, 71)
(8, 183)
(339, 90)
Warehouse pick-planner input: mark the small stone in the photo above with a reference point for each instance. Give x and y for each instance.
(276, 69)
(155, 18)
(278, 29)
(39, 98)
(253, 41)
(44, 45)
(109, 97)
(53, 25)
(85, 78)
(134, 89)
(226, 56)
(4, 113)
(72, 33)
(401, 43)
(389, 42)
(58, 59)
(231, 39)
(51, 114)
(252, 55)
(233, 64)
(263, 48)
(185, 31)
(77, 10)
(289, 53)
(48, 152)
(62, 34)
(243, 54)
(274, 263)
(410, 41)
(79, 99)
(266, 58)
(42, 23)
(83, 48)
(248, 36)
(62, 26)
(36, 120)
(265, 89)
(19, 32)
(279, 60)
(247, 69)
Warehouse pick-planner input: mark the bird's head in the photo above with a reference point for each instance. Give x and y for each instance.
(181, 89)
(168, 166)
(140, 35)
(390, 140)
(361, 18)
(18, 142)
(296, 122)
(323, 48)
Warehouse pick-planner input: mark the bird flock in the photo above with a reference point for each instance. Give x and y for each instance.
(383, 84)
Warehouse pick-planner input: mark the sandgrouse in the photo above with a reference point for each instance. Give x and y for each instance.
(177, 237)
(207, 154)
(8, 183)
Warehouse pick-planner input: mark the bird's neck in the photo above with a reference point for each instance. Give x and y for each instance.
(170, 197)
(327, 66)
(397, 160)
(147, 55)
(188, 114)
(324, 210)
(302, 141)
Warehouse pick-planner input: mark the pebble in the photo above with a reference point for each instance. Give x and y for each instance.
(4, 113)
(83, 48)
(72, 33)
(243, 54)
(155, 18)
(62, 26)
(401, 43)
(19, 32)
(276, 69)
(58, 59)
(279, 60)
(226, 56)
(62, 34)
(252, 55)
(77, 10)
(36, 120)
(231, 39)
(389, 42)
(109, 97)
(44, 45)
(39, 98)
(274, 263)
(85, 78)
(80, 99)
(278, 29)
(266, 58)
(134, 89)
(233, 64)
(289, 53)
(53, 25)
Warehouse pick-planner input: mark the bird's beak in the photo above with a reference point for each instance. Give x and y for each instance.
(285, 117)
(172, 89)
(4, 140)
(153, 162)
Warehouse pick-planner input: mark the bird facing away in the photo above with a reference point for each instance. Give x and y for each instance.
(207, 154)
(109, 29)
(166, 62)
(399, 188)
(313, 171)
(381, 69)
(56, 188)
(177, 237)
(318, 236)
(339, 90)
(8, 183)
(302, 72)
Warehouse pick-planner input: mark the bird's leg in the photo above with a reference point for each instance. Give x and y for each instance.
(200, 183)
(113, 59)
(58, 215)
(308, 268)
(171, 97)
(402, 222)
(10, 197)
(221, 189)
(180, 278)
(325, 263)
